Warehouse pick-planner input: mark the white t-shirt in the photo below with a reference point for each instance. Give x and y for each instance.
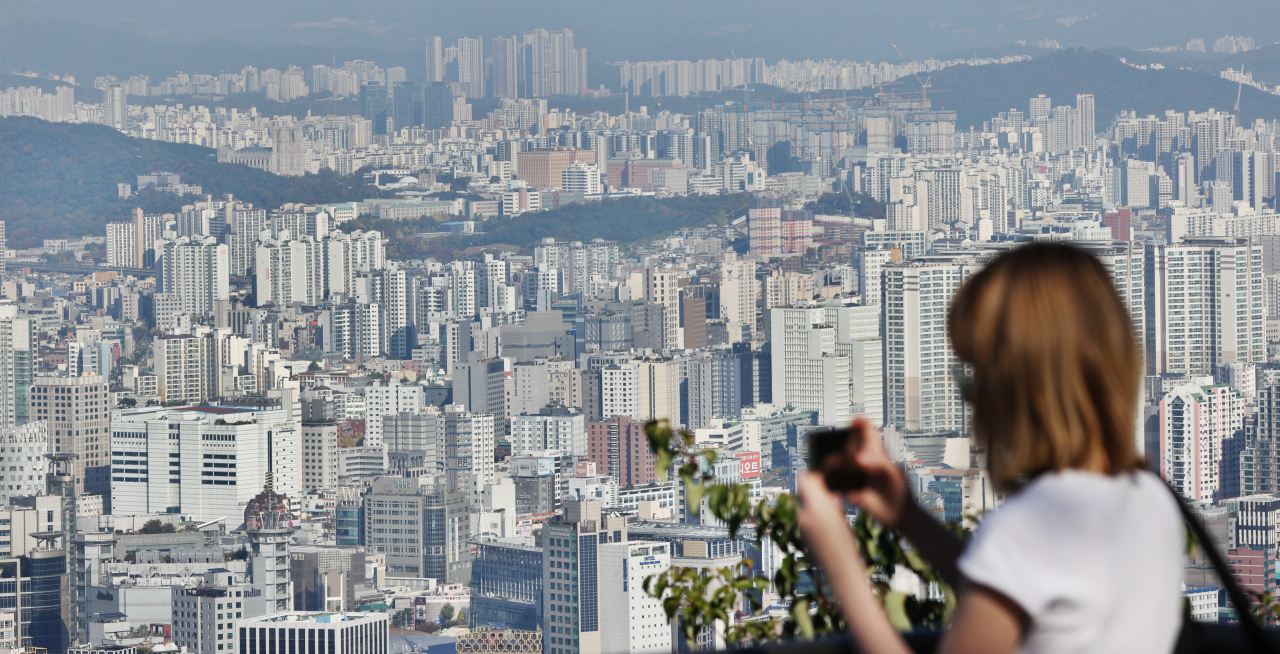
(1094, 560)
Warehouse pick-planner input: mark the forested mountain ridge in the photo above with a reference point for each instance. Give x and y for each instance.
(58, 180)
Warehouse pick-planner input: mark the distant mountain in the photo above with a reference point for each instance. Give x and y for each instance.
(978, 93)
(86, 51)
(58, 180)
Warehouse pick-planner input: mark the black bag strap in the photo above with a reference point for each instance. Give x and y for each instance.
(1235, 593)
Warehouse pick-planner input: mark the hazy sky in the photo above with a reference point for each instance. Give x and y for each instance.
(680, 28)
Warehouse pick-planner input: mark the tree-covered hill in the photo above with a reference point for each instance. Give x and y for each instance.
(58, 180)
(626, 220)
(978, 93)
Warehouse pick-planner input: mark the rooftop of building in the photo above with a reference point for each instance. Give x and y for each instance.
(219, 410)
(312, 617)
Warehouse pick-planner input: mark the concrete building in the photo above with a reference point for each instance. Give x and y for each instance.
(1218, 279)
(919, 391)
(383, 400)
(506, 583)
(185, 365)
(637, 622)
(553, 429)
(620, 448)
(545, 168)
(435, 545)
(196, 270)
(572, 622)
(23, 464)
(79, 422)
(319, 452)
(337, 633)
(201, 462)
(1195, 421)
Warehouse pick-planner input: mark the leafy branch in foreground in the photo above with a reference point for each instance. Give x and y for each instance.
(713, 599)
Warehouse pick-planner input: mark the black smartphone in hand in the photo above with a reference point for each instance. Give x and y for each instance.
(832, 453)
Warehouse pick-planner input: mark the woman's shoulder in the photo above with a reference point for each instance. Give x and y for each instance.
(1074, 498)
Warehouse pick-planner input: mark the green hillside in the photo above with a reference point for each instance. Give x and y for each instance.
(58, 180)
(626, 220)
(978, 93)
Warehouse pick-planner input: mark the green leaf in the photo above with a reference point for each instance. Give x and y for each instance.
(895, 608)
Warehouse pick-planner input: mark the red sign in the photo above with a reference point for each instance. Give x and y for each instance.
(749, 463)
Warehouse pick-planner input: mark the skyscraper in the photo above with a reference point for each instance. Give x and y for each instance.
(19, 349)
(437, 106)
(471, 67)
(196, 270)
(115, 108)
(1086, 120)
(919, 391)
(571, 617)
(1194, 421)
(435, 59)
(79, 423)
(1204, 305)
(505, 73)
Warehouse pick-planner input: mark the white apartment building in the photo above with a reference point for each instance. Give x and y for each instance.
(919, 391)
(661, 286)
(582, 178)
(532, 387)
(658, 386)
(184, 367)
(739, 289)
(196, 270)
(384, 400)
(827, 359)
(556, 429)
(205, 462)
(121, 245)
(637, 622)
(1205, 305)
(22, 462)
(620, 390)
(289, 271)
(870, 263)
(319, 449)
(1194, 420)
(349, 254)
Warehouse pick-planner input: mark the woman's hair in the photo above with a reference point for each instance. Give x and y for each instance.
(1055, 364)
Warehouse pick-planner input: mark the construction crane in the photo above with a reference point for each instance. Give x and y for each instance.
(924, 84)
(1239, 89)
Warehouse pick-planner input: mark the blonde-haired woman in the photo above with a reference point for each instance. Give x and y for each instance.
(1085, 554)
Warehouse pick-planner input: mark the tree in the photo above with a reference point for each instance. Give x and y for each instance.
(313, 367)
(168, 528)
(446, 612)
(403, 618)
(698, 600)
(152, 526)
(462, 616)
(127, 403)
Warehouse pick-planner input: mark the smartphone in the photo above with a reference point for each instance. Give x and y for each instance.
(831, 453)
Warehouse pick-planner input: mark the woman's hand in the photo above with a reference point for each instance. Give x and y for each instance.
(884, 494)
(822, 521)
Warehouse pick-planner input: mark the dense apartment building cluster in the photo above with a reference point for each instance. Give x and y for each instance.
(251, 415)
